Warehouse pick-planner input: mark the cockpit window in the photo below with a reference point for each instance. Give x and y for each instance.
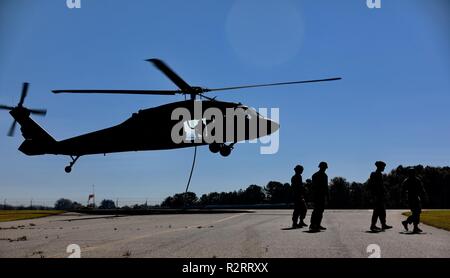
(250, 111)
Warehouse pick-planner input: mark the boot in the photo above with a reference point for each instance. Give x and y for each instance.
(314, 228)
(417, 230)
(374, 228)
(386, 227)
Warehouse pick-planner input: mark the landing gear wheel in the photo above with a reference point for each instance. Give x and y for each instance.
(215, 147)
(225, 150)
(68, 169)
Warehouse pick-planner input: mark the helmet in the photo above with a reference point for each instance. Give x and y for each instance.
(380, 164)
(298, 168)
(323, 165)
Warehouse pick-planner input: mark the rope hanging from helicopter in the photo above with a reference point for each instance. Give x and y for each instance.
(195, 147)
(195, 155)
(192, 169)
(195, 150)
(194, 159)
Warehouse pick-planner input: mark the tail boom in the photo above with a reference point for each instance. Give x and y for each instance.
(37, 140)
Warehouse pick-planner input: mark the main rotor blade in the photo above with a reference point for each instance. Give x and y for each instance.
(24, 93)
(125, 92)
(12, 129)
(5, 107)
(41, 112)
(175, 78)
(271, 84)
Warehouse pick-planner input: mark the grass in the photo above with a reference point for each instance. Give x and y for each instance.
(12, 215)
(436, 218)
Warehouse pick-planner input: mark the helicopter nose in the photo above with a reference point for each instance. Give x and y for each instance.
(272, 127)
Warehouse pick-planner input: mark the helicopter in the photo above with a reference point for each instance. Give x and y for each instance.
(141, 132)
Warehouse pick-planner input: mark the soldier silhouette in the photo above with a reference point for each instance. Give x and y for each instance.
(377, 191)
(320, 194)
(415, 193)
(299, 198)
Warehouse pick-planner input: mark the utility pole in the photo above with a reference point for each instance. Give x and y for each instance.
(93, 193)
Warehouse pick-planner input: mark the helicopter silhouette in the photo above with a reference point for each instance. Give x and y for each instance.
(141, 132)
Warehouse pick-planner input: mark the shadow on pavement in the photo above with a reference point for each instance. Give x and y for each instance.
(290, 228)
(411, 233)
(311, 232)
(374, 232)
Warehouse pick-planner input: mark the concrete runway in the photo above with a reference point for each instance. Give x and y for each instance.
(263, 233)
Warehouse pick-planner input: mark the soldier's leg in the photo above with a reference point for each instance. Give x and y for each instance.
(375, 216)
(295, 214)
(302, 214)
(410, 218)
(416, 216)
(314, 213)
(419, 211)
(303, 210)
(384, 226)
(382, 214)
(320, 217)
(313, 217)
(320, 213)
(416, 219)
(412, 206)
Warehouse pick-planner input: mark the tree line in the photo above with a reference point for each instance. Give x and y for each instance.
(342, 193)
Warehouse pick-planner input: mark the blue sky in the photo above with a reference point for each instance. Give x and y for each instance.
(391, 105)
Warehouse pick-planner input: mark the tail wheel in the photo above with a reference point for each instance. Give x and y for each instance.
(68, 169)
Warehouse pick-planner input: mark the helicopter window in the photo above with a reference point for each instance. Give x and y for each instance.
(250, 113)
(194, 129)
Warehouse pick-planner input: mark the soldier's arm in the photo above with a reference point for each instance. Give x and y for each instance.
(404, 190)
(301, 186)
(370, 184)
(422, 192)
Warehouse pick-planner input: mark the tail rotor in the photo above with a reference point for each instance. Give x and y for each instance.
(20, 109)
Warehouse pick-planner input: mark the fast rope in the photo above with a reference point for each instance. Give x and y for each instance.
(192, 169)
